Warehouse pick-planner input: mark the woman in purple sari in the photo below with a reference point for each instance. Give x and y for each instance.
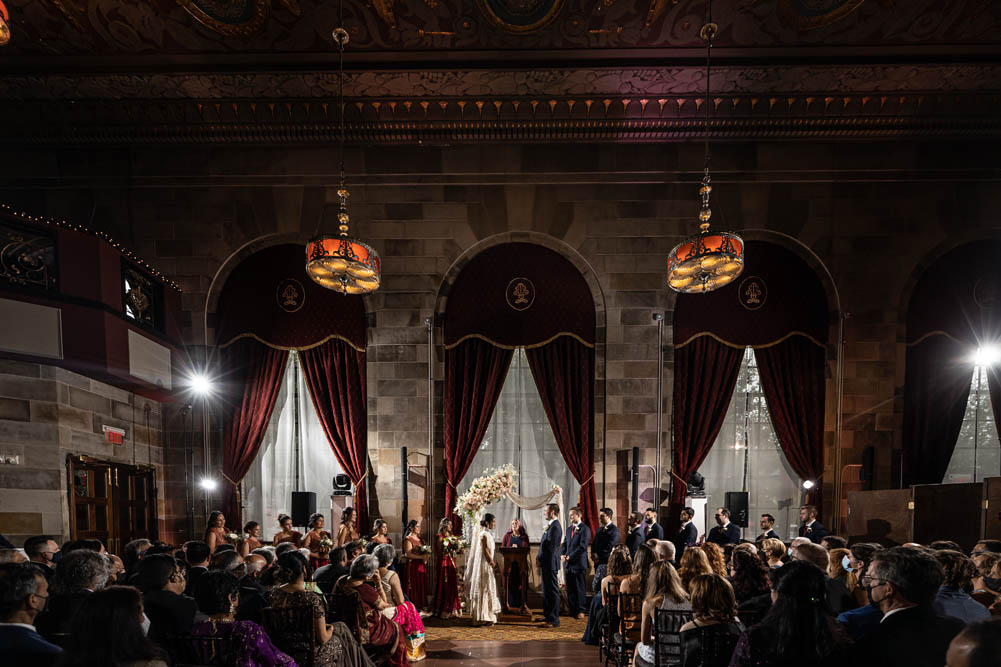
(246, 644)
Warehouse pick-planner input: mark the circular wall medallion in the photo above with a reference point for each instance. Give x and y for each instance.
(752, 293)
(985, 292)
(520, 16)
(520, 294)
(291, 296)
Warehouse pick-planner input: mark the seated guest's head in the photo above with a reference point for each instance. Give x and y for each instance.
(717, 561)
(160, 548)
(364, 567)
(291, 567)
(744, 545)
(836, 563)
(351, 550)
(748, 575)
(773, 549)
(665, 550)
(833, 542)
(957, 570)
(339, 556)
(161, 573)
(712, 599)
(812, 553)
(987, 576)
(197, 553)
(284, 547)
(12, 556)
(134, 552)
(981, 548)
(305, 553)
(384, 553)
(41, 549)
(217, 592)
(978, 645)
(693, 563)
(81, 570)
(229, 561)
(23, 592)
(620, 562)
(76, 545)
(107, 630)
(944, 545)
(664, 581)
(370, 548)
(256, 565)
(861, 556)
(226, 546)
(798, 541)
(267, 553)
(903, 577)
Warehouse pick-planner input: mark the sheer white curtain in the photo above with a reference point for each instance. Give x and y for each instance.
(519, 433)
(268, 486)
(978, 452)
(747, 457)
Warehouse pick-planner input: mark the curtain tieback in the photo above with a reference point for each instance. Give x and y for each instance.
(587, 480)
(229, 479)
(361, 479)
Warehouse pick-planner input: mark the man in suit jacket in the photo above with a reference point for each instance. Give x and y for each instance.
(78, 574)
(23, 593)
(601, 548)
(574, 556)
(687, 534)
(723, 532)
(161, 579)
(548, 559)
(197, 553)
(810, 527)
(767, 532)
(636, 535)
(653, 531)
(253, 594)
(326, 577)
(903, 582)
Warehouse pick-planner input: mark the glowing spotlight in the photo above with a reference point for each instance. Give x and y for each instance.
(809, 484)
(988, 355)
(200, 384)
(209, 484)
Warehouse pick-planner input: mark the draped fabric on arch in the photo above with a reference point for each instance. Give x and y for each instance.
(267, 307)
(520, 295)
(778, 307)
(955, 308)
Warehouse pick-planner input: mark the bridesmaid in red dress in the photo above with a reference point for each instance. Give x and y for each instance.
(287, 534)
(380, 532)
(215, 530)
(319, 553)
(252, 538)
(347, 532)
(447, 604)
(416, 570)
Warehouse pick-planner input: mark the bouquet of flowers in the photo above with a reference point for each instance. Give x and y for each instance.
(424, 549)
(454, 545)
(362, 544)
(486, 490)
(326, 544)
(233, 538)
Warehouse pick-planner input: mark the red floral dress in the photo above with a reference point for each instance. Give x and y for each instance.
(318, 555)
(447, 602)
(416, 575)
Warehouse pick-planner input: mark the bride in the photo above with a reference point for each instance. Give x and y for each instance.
(481, 581)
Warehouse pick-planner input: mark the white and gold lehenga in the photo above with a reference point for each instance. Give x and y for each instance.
(480, 580)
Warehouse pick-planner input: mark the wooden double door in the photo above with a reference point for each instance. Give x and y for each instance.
(111, 502)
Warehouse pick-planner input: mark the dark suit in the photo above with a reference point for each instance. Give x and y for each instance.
(654, 532)
(604, 541)
(839, 597)
(548, 559)
(253, 598)
(169, 614)
(635, 540)
(770, 535)
(816, 532)
(575, 549)
(22, 646)
(914, 637)
(59, 611)
(193, 574)
(729, 535)
(688, 534)
(326, 576)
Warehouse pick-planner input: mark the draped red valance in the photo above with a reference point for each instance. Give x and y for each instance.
(270, 298)
(778, 295)
(519, 295)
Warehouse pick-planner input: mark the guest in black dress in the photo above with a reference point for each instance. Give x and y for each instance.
(708, 640)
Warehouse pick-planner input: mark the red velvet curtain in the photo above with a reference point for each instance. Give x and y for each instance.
(254, 372)
(936, 388)
(335, 375)
(705, 373)
(564, 373)
(474, 374)
(793, 380)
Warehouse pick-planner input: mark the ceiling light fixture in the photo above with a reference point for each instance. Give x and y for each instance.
(4, 25)
(708, 260)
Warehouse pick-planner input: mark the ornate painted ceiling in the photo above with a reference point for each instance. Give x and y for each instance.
(108, 71)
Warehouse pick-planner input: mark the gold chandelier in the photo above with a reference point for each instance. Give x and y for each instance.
(709, 260)
(4, 25)
(342, 263)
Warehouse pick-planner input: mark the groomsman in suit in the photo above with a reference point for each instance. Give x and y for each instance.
(654, 531)
(810, 527)
(574, 553)
(723, 532)
(767, 521)
(637, 533)
(687, 534)
(548, 559)
(604, 541)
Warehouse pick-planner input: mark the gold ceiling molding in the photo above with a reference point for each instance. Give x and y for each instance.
(549, 340)
(290, 347)
(761, 346)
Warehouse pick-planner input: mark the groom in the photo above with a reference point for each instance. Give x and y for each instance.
(548, 559)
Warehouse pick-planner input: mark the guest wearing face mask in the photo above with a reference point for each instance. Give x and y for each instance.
(861, 621)
(986, 584)
(953, 598)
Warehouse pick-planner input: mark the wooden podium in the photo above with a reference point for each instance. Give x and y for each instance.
(515, 556)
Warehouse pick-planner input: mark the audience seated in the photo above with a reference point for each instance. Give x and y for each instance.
(713, 632)
(774, 551)
(398, 608)
(832, 542)
(228, 560)
(836, 571)
(77, 576)
(41, 550)
(837, 595)
(23, 593)
(284, 548)
(987, 582)
(162, 582)
(218, 597)
(799, 629)
(636, 583)
(327, 575)
(108, 630)
(197, 555)
(903, 581)
(664, 549)
(12, 556)
(664, 591)
(748, 575)
(716, 559)
(75, 545)
(978, 645)
(953, 597)
(252, 592)
(620, 566)
(693, 563)
(860, 621)
(132, 554)
(984, 547)
(359, 591)
(944, 545)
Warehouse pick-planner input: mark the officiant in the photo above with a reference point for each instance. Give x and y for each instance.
(516, 569)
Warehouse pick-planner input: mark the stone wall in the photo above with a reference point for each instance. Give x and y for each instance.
(867, 216)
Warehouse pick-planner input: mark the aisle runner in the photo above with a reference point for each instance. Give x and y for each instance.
(508, 628)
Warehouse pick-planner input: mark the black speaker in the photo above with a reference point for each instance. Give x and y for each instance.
(868, 467)
(303, 505)
(736, 502)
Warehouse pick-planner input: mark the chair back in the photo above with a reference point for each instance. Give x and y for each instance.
(199, 651)
(749, 618)
(667, 631)
(292, 631)
(629, 614)
(60, 639)
(716, 646)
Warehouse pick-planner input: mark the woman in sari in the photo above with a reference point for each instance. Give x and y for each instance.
(416, 569)
(362, 590)
(446, 600)
(400, 610)
(515, 574)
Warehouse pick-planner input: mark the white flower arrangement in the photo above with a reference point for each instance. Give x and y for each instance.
(486, 490)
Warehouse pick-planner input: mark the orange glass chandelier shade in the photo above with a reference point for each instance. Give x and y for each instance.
(705, 262)
(343, 264)
(4, 25)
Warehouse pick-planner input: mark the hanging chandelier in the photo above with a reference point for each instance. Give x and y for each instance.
(709, 260)
(342, 263)
(4, 25)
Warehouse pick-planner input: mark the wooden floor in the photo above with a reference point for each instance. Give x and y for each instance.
(505, 654)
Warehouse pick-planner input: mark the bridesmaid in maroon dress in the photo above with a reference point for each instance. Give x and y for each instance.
(215, 530)
(380, 532)
(252, 541)
(319, 553)
(287, 534)
(347, 532)
(447, 604)
(416, 571)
